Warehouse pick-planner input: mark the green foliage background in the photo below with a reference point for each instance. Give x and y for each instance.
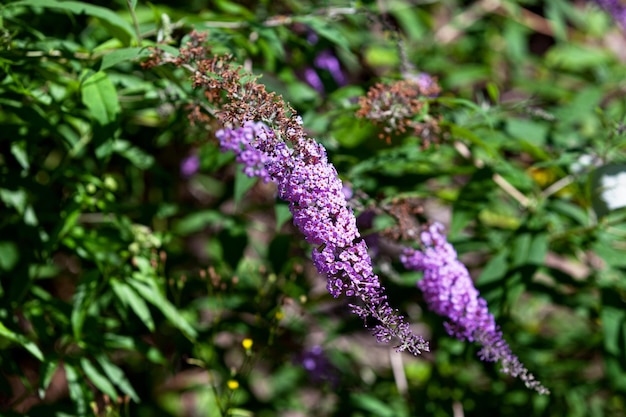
(128, 288)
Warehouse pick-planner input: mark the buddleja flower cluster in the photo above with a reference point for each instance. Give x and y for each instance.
(310, 184)
(268, 139)
(449, 291)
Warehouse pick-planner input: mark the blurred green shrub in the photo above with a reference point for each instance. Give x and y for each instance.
(130, 287)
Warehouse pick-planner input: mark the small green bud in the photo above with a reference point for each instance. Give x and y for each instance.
(110, 183)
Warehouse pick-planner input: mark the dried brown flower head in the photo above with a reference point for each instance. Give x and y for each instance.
(404, 210)
(234, 96)
(400, 107)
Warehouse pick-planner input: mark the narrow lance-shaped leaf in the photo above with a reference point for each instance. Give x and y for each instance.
(151, 293)
(21, 340)
(130, 298)
(48, 369)
(85, 291)
(77, 389)
(116, 375)
(100, 381)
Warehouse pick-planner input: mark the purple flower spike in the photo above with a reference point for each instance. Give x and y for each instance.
(449, 291)
(326, 60)
(313, 79)
(310, 184)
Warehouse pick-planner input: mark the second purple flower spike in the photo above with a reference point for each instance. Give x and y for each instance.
(449, 291)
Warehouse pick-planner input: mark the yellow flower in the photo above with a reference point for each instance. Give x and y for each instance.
(232, 384)
(247, 343)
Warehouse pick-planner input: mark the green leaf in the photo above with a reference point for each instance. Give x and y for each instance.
(577, 57)
(143, 265)
(570, 210)
(116, 341)
(48, 369)
(468, 74)
(538, 249)
(117, 26)
(18, 151)
(605, 248)
(382, 222)
(516, 38)
(322, 28)
(130, 298)
(521, 247)
(533, 132)
(460, 219)
(99, 96)
(199, 220)
(100, 381)
(137, 156)
(234, 9)
(271, 46)
(243, 183)
(149, 291)
(556, 19)
(77, 388)
(493, 92)
(467, 134)
(495, 269)
(282, 215)
(613, 319)
(351, 132)
(613, 364)
(9, 255)
(115, 374)
(16, 199)
(21, 340)
(85, 291)
(582, 105)
(372, 404)
(69, 221)
(121, 55)
(240, 412)
(380, 56)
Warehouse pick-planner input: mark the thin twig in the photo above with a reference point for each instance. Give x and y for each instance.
(511, 190)
(133, 16)
(557, 186)
(283, 20)
(398, 372)
(457, 409)
(497, 178)
(459, 23)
